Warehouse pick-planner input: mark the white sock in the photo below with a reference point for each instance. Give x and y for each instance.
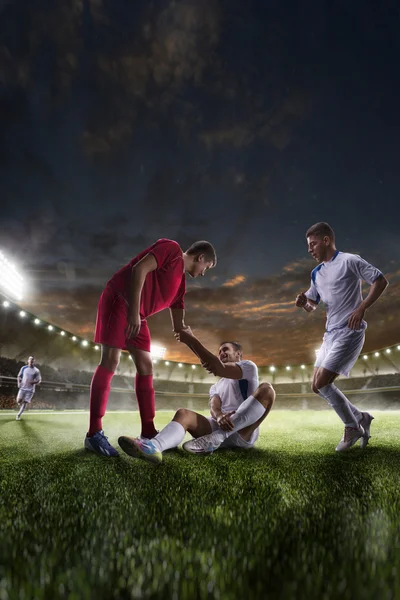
(21, 410)
(170, 437)
(340, 404)
(357, 413)
(248, 413)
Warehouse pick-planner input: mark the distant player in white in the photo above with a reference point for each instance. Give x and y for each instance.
(238, 404)
(337, 281)
(28, 378)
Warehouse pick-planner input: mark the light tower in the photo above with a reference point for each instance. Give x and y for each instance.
(11, 282)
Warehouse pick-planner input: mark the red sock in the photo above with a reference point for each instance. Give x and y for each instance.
(147, 406)
(99, 392)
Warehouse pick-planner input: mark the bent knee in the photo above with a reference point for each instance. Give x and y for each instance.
(182, 414)
(266, 392)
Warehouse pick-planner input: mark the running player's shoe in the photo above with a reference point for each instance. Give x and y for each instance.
(99, 444)
(17, 418)
(141, 448)
(201, 445)
(365, 422)
(350, 437)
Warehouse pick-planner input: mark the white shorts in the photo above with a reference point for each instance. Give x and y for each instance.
(24, 396)
(340, 350)
(235, 440)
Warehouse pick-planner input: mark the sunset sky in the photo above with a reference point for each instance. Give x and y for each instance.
(242, 123)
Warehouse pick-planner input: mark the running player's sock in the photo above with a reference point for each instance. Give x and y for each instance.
(147, 407)
(357, 413)
(99, 392)
(248, 413)
(23, 407)
(170, 437)
(340, 404)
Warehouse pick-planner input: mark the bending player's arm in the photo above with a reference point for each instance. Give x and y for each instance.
(375, 291)
(303, 302)
(223, 419)
(209, 360)
(139, 273)
(178, 319)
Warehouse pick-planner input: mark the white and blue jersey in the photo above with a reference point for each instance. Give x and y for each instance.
(338, 283)
(29, 376)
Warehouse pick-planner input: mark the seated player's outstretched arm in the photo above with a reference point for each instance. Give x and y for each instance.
(209, 360)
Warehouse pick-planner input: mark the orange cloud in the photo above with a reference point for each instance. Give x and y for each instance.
(235, 281)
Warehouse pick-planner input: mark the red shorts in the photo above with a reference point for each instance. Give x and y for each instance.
(112, 321)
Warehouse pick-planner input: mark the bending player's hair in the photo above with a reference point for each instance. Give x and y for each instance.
(236, 346)
(321, 230)
(205, 248)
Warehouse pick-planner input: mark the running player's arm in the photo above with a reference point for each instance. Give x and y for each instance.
(38, 378)
(376, 290)
(306, 303)
(209, 360)
(19, 378)
(139, 272)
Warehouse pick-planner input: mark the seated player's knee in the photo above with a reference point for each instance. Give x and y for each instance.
(265, 393)
(181, 415)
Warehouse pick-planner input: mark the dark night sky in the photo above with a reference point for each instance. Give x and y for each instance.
(238, 122)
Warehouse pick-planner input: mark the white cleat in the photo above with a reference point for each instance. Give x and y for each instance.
(365, 422)
(17, 418)
(201, 445)
(350, 437)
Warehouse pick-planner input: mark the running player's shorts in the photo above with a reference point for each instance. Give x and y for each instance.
(24, 396)
(235, 440)
(340, 350)
(112, 321)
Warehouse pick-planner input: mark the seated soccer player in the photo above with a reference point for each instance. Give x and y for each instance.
(238, 404)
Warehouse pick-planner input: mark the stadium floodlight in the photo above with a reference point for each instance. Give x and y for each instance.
(73, 338)
(365, 357)
(10, 280)
(85, 343)
(22, 314)
(6, 304)
(62, 333)
(50, 327)
(37, 322)
(166, 363)
(180, 365)
(193, 366)
(96, 347)
(288, 368)
(157, 351)
(272, 369)
(155, 361)
(376, 354)
(398, 347)
(388, 351)
(302, 366)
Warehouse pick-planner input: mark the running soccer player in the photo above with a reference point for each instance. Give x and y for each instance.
(28, 378)
(337, 281)
(238, 405)
(150, 282)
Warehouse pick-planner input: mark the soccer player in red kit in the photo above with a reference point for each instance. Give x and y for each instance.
(150, 282)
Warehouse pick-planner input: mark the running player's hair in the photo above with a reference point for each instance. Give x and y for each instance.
(236, 346)
(205, 248)
(321, 230)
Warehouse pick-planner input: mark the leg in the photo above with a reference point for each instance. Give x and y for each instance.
(100, 387)
(144, 390)
(21, 410)
(324, 386)
(251, 411)
(265, 394)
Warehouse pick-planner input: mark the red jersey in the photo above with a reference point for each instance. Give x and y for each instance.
(163, 288)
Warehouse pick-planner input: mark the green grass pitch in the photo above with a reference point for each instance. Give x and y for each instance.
(290, 519)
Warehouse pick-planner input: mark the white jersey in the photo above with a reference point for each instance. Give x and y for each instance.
(234, 391)
(338, 284)
(29, 376)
